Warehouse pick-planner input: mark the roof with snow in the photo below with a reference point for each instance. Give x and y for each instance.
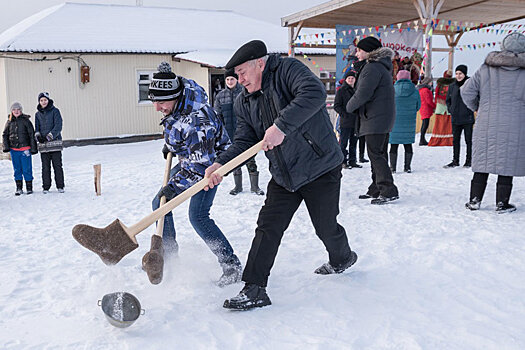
(204, 36)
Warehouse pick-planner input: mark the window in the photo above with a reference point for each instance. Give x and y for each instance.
(144, 79)
(329, 82)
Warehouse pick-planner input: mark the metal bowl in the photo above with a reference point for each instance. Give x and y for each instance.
(121, 308)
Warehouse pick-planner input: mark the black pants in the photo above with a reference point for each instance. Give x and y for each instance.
(55, 158)
(481, 178)
(382, 180)
(456, 132)
(362, 144)
(321, 197)
(408, 148)
(348, 144)
(250, 164)
(424, 127)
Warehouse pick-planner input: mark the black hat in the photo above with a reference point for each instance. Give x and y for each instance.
(165, 85)
(369, 44)
(249, 51)
(462, 68)
(43, 94)
(230, 73)
(349, 73)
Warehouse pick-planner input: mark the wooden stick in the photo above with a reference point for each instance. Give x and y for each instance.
(98, 171)
(167, 170)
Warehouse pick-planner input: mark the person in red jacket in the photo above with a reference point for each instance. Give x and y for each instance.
(427, 107)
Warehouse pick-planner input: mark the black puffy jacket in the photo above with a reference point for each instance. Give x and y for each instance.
(293, 99)
(459, 111)
(19, 133)
(343, 95)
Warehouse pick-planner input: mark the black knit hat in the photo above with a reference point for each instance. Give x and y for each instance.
(349, 73)
(249, 51)
(43, 94)
(165, 85)
(462, 68)
(369, 44)
(230, 73)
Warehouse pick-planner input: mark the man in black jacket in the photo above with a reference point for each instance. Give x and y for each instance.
(462, 118)
(347, 121)
(284, 104)
(374, 100)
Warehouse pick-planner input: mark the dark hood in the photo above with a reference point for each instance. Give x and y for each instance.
(49, 106)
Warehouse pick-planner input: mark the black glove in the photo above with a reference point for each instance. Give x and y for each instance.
(165, 151)
(5, 150)
(34, 151)
(169, 192)
(39, 137)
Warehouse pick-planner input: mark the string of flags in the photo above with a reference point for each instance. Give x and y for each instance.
(477, 46)
(331, 37)
(330, 75)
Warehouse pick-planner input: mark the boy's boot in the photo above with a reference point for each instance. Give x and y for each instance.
(19, 187)
(254, 183)
(29, 187)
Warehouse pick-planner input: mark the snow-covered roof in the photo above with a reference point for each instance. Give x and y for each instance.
(205, 36)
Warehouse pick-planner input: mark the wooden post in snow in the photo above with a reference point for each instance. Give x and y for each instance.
(98, 171)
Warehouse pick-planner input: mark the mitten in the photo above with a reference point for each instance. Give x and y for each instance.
(49, 137)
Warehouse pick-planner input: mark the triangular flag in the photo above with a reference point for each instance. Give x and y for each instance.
(377, 28)
(341, 40)
(322, 35)
(399, 25)
(385, 34)
(356, 30)
(370, 29)
(449, 22)
(378, 34)
(305, 56)
(415, 22)
(317, 35)
(416, 28)
(299, 37)
(430, 32)
(384, 27)
(363, 30)
(446, 27)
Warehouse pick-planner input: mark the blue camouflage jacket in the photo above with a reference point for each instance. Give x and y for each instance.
(195, 134)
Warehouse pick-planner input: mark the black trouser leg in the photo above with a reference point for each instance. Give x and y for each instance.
(424, 127)
(46, 170)
(503, 189)
(352, 159)
(468, 141)
(456, 133)
(345, 137)
(409, 153)
(322, 201)
(393, 157)
(274, 218)
(251, 165)
(382, 181)
(362, 144)
(478, 186)
(56, 158)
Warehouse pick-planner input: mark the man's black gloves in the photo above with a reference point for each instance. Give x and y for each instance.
(169, 192)
(165, 151)
(39, 137)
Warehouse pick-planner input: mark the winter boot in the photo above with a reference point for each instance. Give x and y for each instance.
(328, 269)
(452, 164)
(362, 159)
(383, 200)
(238, 184)
(502, 199)
(231, 272)
(249, 297)
(254, 183)
(29, 187)
(19, 187)
(468, 163)
(477, 190)
(153, 261)
(393, 162)
(408, 162)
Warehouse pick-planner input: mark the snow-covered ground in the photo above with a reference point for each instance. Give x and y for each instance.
(430, 274)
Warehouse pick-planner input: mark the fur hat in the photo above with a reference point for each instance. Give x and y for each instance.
(514, 42)
(249, 51)
(462, 68)
(369, 44)
(43, 94)
(230, 73)
(165, 85)
(16, 105)
(403, 74)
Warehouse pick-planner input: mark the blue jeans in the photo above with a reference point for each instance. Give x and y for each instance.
(199, 214)
(22, 165)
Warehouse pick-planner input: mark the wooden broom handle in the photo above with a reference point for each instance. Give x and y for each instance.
(140, 226)
(167, 170)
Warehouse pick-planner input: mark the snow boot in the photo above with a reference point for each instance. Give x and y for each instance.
(368, 196)
(502, 199)
(153, 261)
(251, 296)
(452, 164)
(19, 187)
(238, 184)
(354, 165)
(29, 187)
(393, 162)
(408, 162)
(231, 272)
(362, 159)
(477, 190)
(254, 184)
(383, 200)
(328, 269)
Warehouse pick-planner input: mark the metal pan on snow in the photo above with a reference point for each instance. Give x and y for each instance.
(121, 309)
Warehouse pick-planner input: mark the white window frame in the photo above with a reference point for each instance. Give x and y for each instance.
(149, 73)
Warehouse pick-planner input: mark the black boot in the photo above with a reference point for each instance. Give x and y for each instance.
(408, 162)
(502, 199)
(238, 184)
(362, 159)
(477, 190)
(254, 183)
(19, 187)
(249, 297)
(231, 272)
(393, 162)
(29, 187)
(328, 269)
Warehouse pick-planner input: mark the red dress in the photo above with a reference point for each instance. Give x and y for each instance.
(442, 130)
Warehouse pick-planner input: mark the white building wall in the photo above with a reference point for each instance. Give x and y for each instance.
(106, 106)
(4, 107)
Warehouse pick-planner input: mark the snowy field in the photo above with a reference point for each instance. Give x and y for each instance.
(430, 274)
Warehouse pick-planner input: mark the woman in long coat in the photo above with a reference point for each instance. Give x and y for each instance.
(497, 92)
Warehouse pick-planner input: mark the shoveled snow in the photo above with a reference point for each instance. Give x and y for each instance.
(430, 274)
